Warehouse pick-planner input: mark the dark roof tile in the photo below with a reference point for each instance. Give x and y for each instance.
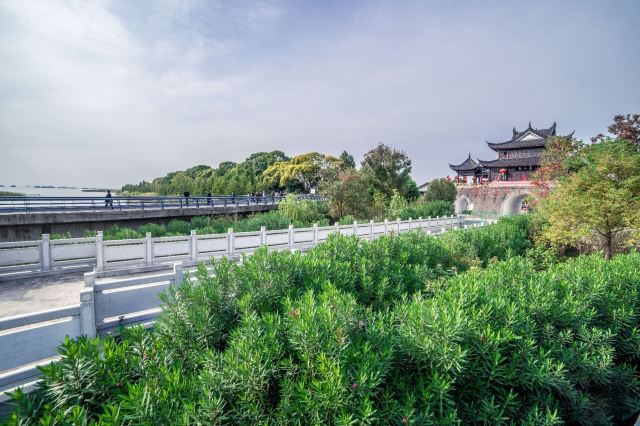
(511, 162)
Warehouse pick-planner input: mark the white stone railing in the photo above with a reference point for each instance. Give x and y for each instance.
(45, 255)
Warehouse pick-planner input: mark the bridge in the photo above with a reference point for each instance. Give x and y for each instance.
(27, 218)
(500, 198)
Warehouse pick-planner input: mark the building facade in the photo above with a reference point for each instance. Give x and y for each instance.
(518, 158)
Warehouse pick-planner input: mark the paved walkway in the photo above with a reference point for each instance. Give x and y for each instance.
(38, 294)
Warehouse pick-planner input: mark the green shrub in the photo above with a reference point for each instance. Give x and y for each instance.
(370, 332)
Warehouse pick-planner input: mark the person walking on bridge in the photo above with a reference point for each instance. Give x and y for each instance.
(108, 200)
(209, 201)
(186, 194)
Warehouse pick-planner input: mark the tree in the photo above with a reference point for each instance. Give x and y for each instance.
(301, 173)
(558, 159)
(348, 194)
(601, 199)
(387, 169)
(347, 160)
(441, 190)
(624, 127)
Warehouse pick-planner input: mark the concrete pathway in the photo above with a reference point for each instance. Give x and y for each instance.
(38, 294)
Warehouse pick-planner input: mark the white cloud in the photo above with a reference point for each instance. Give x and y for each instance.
(103, 93)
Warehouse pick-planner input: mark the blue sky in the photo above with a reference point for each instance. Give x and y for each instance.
(109, 92)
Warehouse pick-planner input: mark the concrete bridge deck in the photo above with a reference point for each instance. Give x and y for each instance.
(27, 218)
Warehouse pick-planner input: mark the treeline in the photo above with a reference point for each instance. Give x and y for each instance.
(363, 192)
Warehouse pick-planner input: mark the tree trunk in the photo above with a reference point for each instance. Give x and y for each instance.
(608, 246)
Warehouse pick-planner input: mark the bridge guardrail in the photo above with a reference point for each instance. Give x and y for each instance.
(27, 341)
(26, 204)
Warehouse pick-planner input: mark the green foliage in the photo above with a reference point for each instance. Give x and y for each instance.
(358, 331)
(349, 194)
(370, 332)
(400, 208)
(300, 212)
(309, 212)
(10, 194)
(388, 169)
(600, 201)
(441, 190)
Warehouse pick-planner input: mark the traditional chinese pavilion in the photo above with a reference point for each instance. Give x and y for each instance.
(517, 158)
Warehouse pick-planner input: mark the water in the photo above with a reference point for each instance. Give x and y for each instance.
(52, 192)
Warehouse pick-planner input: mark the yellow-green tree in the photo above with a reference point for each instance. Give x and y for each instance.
(600, 200)
(301, 173)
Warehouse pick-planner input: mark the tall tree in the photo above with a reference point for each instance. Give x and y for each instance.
(624, 127)
(387, 169)
(601, 199)
(348, 194)
(347, 160)
(559, 158)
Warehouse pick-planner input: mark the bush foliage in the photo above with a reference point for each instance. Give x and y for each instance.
(369, 332)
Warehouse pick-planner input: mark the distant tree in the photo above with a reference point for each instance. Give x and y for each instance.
(441, 190)
(348, 195)
(347, 160)
(624, 127)
(601, 199)
(387, 169)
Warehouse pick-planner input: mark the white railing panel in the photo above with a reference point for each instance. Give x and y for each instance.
(65, 251)
(346, 230)
(19, 256)
(303, 236)
(17, 244)
(323, 234)
(34, 343)
(246, 241)
(171, 248)
(126, 251)
(212, 245)
(404, 226)
(113, 303)
(363, 230)
(276, 239)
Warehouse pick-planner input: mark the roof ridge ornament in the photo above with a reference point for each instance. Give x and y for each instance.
(530, 128)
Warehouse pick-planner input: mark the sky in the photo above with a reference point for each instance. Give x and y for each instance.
(102, 93)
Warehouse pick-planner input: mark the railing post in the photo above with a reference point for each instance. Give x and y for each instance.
(193, 246)
(87, 306)
(148, 252)
(429, 222)
(398, 225)
(410, 223)
(178, 274)
(420, 222)
(230, 242)
(355, 227)
(386, 226)
(315, 234)
(100, 263)
(337, 226)
(45, 250)
(460, 217)
(290, 236)
(263, 235)
(437, 222)
(371, 229)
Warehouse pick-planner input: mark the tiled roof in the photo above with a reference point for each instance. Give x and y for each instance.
(466, 165)
(517, 142)
(527, 143)
(511, 162)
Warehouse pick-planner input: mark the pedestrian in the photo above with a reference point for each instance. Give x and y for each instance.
(209, 201)
(186, 194)
(233, 197)
(108, 200)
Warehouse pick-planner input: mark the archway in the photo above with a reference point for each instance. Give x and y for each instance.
(462, 204)
(513, 204)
